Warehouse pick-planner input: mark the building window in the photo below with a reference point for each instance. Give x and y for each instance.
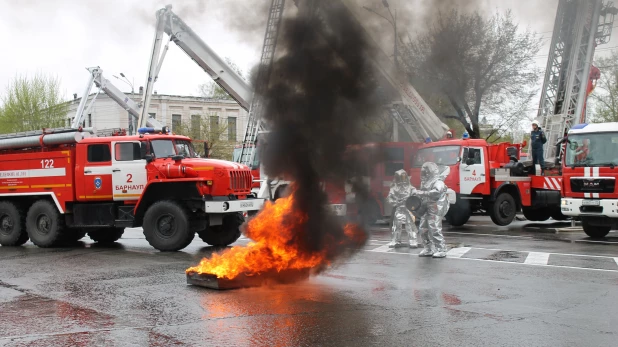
(99, 153)
(196, 125)
(152, 115)
(68, 122)
(214, 123)
(127, 151)
(231, 129)
(176, 121)
(89, 119)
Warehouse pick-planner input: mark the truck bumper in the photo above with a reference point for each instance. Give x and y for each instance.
(577, 207)
(233, 206)
(339, 210)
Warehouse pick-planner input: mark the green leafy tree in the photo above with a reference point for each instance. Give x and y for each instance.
(605, 95)
(32, 103)
(476, 66)
(211, 129)
(212, 90)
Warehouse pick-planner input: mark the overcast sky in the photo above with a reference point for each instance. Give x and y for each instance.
(63, 37)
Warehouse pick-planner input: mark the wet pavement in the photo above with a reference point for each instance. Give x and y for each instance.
(522, 285)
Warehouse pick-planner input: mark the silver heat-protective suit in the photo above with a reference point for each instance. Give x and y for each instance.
(433, 192)
(400, 191)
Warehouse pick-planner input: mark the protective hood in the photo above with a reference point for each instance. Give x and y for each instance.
(401, 186)
(430, 173)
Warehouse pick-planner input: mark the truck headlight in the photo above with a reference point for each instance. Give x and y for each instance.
(564, 202)
(226, 206)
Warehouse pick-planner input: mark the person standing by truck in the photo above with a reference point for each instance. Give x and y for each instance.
(537, 139)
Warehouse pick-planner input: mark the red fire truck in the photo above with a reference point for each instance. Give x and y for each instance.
(59, 185)
(489, 179)
(589, 172)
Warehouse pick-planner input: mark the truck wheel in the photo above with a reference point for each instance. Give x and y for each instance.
(74, 235)
(106, 235)
(12, 225)
(595, 231)
(44, 224)
(369, 213)
(536, 214)
(166, 226)
(503, 210)
(224, 234)
(557, 215)
(459, 214)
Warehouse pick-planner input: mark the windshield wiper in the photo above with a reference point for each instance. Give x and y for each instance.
(611, 165)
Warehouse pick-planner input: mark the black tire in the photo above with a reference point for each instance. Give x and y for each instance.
(44, 224)
(595, 231)
(73, 235)
(224, 234)
(557, 215)
(370, 213)
(12, 225)
(459, 214)
(536, 214)
(166, 226)
(503, 210)
(105, 235)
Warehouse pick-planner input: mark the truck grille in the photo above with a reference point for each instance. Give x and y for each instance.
(592, 185)
(240, 180)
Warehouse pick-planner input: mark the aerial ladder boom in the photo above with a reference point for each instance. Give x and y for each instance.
(580, 26)
(190, 43)
(105, 85)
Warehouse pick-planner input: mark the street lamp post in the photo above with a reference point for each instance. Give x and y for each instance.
(126, 80)
(393, 22)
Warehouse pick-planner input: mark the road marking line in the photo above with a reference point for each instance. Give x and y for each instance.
(382, 249)
(493, 235)
(514, 263)
(537, 258)
(616, 260)
(569, 254)
(457, 252)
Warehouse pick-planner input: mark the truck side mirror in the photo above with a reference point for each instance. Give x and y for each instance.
(206, 150)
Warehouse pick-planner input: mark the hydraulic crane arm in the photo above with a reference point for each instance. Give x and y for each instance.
(105, 85)
(185, 38)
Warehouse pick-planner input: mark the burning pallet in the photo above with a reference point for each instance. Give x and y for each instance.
(247, 281)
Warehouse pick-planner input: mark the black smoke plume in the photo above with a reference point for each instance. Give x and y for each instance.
(320, 92)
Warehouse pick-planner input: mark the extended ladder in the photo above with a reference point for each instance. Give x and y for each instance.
(254, 123)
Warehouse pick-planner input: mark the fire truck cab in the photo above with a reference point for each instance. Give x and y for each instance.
(98, 186)
(489, 179)
(589, 172)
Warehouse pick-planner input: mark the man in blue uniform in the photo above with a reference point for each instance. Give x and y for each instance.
(537, 138)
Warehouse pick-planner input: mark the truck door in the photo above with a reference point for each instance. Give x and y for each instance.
(129, 175)
(96, 168)
(471, 169)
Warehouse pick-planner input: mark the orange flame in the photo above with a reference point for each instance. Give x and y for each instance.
(272, 231)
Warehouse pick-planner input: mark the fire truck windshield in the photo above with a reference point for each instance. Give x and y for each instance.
(165, 148)
(594, 149)
(443, 155)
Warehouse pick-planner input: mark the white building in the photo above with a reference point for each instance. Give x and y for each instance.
(170, 110)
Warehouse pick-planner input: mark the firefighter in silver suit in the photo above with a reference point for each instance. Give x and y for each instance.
(400, 191)
(433, 192)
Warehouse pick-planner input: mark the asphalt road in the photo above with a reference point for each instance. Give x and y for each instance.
(524, 285)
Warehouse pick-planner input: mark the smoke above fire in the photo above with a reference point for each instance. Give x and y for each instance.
(321, 91)
(319, 95)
